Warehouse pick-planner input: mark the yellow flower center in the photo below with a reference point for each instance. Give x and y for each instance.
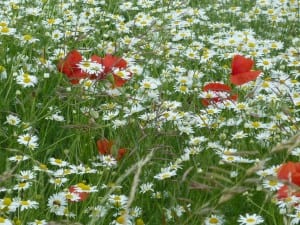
(86, 64)
(230, 158)
(43, 166)
(273, 182)
(21, 185)
(147, 85)
(165, 175)
(27, 138)
(265, 62)
(51, 21)
(256, 124)
(83, 186)
(120, 74)
(121, 219)
(4, 29)
(69, 196)
(24, 203)
(26, 177)
(250, 220)
(3, 24)
(26, 80)
(7, 201)
(213, 220)
(251, 45)
(57, 181)
(58, 161)
(27, 37)
(117, 198)
(19, 157)
(183, 88)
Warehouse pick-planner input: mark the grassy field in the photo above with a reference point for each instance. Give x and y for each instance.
(149, 112)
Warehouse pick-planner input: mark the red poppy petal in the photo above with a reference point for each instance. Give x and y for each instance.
(69, 67)
(104, 146)
(296, 178)
(234, 97)
(283, 192)
(297, 166)
(82, 195)
(73, 57)
(97, 59)
(70, 62)
(211, 101)
(121, 64)
(121, 153)
(65, 68)
(240, 64)
(216, 87)
(242, 78)
(76, 76)
(205, 102)
(286, 170)
(110, 61)
(118, 81)
(74, 81)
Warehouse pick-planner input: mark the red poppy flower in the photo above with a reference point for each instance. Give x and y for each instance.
(110, 62)
(69, 66)
(290, 172)
(217, 88)
(105, 148)
(241, 72)
(81, 195)
(121, 153)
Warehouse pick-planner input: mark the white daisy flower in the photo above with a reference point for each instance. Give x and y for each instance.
(146, 187)
(18, 158)
(58, 162)
(250, 219)
(4, 221)
(58, 203)
(108, 160)
(91, 67)
(26, 80)
(29, 140)
(26, 175)
(118, 201)
(165, 173)
(13, 120)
